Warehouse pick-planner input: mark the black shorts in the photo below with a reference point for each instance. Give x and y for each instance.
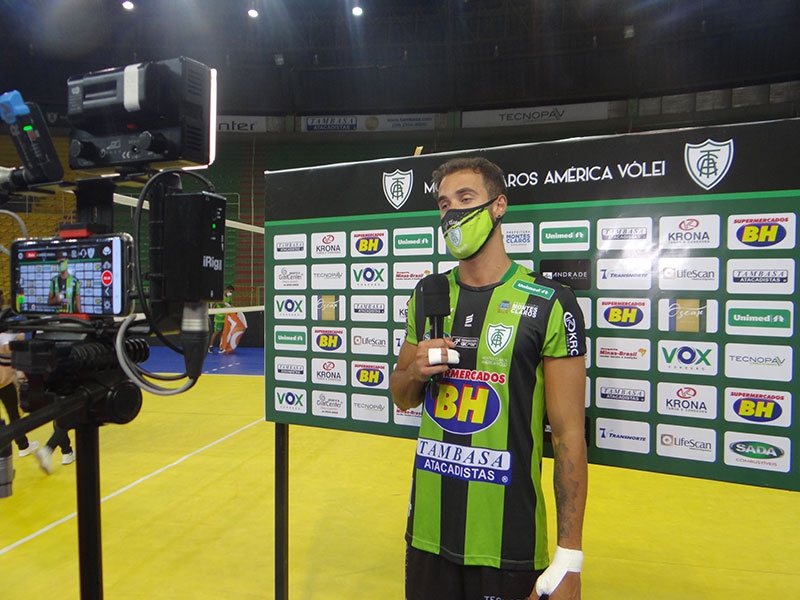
(431, 577)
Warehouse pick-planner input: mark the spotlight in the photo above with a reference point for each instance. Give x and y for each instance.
(357, 11)
(128, 5)
(252, 13)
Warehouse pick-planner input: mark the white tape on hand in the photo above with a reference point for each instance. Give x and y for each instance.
(435, 356)
(564, 561)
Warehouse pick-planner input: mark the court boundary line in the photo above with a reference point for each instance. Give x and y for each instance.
(127, 487)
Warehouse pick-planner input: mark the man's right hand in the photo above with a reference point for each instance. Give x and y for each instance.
(407, 382)
(422, 360)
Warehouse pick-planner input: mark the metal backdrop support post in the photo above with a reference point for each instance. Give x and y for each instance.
(281, 511)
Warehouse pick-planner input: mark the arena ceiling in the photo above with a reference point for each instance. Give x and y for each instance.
(314, 57)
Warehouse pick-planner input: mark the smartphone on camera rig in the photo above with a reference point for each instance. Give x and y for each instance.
(89, 276)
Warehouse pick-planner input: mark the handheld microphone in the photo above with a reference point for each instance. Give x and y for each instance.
(435, 296)
(194, 337)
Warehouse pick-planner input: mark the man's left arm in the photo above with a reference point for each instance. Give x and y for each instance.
(565, 390)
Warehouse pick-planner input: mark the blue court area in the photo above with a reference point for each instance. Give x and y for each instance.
(243, 361)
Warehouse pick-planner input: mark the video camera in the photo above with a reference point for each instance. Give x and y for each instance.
(74, 295)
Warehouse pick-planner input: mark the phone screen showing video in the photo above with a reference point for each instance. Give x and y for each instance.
(71, 276)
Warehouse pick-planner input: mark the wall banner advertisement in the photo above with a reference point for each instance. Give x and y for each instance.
(681, 247)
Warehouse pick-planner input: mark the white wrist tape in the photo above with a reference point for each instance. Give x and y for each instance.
(435, 356)
(564, 560)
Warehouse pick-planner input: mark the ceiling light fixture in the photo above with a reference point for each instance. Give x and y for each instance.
(128, 5)
(357, 11)
(252, 12)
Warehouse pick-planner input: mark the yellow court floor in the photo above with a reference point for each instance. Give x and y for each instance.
(188, 498)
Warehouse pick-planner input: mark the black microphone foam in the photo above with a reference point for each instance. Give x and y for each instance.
(435, 296)
(435, 291)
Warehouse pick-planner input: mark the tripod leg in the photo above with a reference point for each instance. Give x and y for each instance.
(88, 485)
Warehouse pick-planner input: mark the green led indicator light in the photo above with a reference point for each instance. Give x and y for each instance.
(28, 128)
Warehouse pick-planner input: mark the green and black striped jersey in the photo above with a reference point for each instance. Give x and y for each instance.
(476, 496)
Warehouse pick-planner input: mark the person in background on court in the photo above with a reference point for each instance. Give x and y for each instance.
(9, 394)
(233, 330)
(59, 438)
(219, 318)
(65, 290)
(515, 343)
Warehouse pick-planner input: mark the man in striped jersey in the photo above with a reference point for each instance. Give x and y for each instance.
(476, 525)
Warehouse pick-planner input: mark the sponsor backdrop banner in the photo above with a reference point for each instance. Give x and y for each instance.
(680, 246)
